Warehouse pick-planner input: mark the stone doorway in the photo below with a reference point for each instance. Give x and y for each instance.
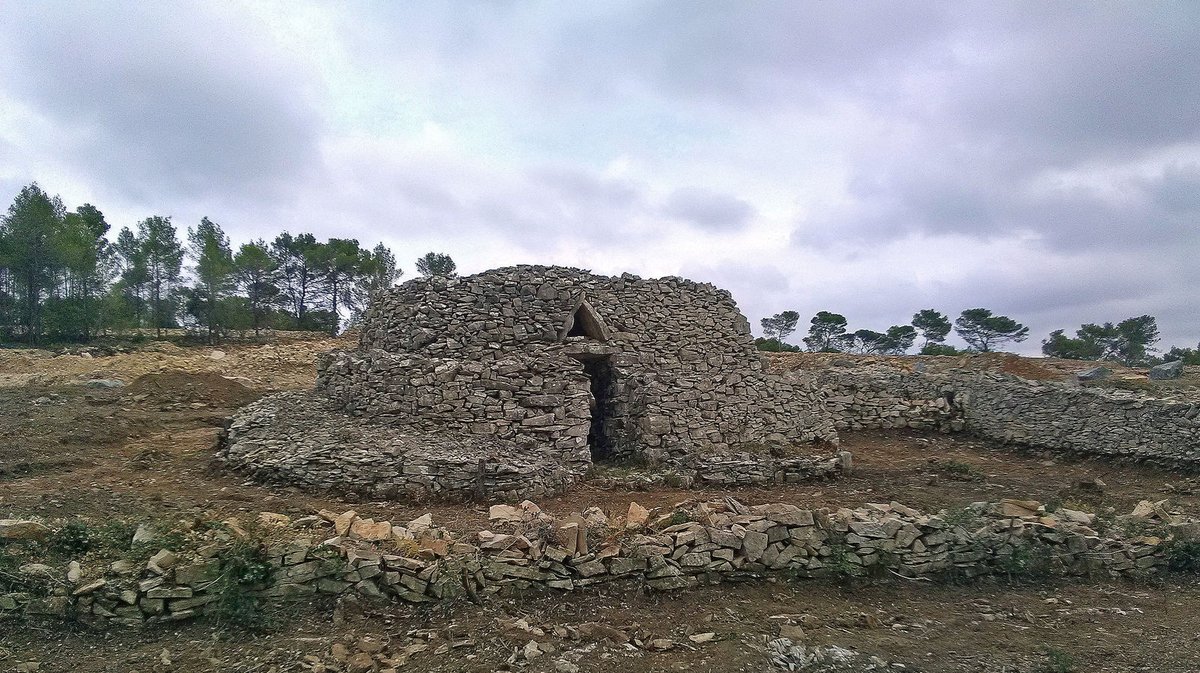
(601, 433)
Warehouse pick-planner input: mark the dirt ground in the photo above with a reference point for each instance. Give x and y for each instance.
(142, 451)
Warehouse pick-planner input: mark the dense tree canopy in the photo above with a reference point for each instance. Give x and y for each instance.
(933, 326)
(62, 278)
(826, 332)
(1129, 341)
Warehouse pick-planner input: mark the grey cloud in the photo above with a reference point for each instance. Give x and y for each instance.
(164, 100)
(1178, 189)
(708, 210)
(718, 52)
(1064, 81)
(589, 189)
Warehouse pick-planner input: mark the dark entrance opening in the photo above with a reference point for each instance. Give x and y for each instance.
(583, 322)
(603, 385)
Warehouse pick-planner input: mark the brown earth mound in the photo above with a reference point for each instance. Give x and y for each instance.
(175, 386)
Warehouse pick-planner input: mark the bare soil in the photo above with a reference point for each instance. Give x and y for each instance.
(143, 451)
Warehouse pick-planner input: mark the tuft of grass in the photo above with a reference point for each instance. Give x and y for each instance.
(963, 517)
(959, 470)
(405, 547)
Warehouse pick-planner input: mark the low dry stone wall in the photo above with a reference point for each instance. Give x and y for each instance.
(1038, 414)
(299, 439)
(705, 543)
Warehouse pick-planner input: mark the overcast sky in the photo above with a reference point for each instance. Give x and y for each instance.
(1041, 159)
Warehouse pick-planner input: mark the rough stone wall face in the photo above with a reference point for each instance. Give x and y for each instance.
(682, 324)
(277, 440)
(1045, 415)
(540, 401)
(1083, 420)
(686, 376)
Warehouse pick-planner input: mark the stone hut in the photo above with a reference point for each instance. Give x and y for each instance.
(534, 372)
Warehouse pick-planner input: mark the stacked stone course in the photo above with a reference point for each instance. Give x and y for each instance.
(1049, 415)
(704, 543)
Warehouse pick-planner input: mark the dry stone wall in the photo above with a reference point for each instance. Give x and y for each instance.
(301, 439)
(706, 543)
(683, 373)
(1038, 414)
(534, 402)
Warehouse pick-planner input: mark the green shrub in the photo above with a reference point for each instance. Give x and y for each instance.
(839, 560)
(73, 539)
(1184, 556)
(964, 517)
(1058, 661)
(245, 569)
(677, 517)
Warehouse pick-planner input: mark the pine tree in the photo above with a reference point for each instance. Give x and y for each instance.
(163, 258)
(256, 271)
(30, 233)
(209, 248)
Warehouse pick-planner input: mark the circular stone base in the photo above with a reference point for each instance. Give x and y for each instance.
(301, 439)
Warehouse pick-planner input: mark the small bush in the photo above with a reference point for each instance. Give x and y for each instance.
(677, 517)
(839, 560)
(1027, 560)
(245, 569)
(964, 517)
(73, 539)
(1184, 556)
(1058, 661)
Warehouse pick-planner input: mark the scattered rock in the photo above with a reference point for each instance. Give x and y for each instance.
(18, 529)
(1167, 370)
(1093, 374)
(637, 517)
(505, 514)
(143, 534)
(792, 632)
(74, 572)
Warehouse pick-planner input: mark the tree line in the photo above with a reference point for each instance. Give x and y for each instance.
(63, 279)
(829, 332)
(1129, 342)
